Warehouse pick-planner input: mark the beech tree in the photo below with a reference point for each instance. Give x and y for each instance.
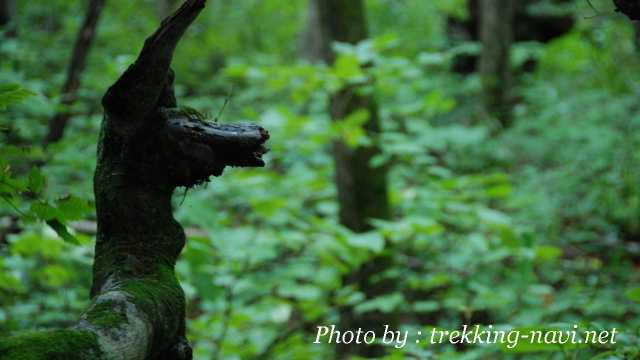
(362, 187)
(540, 27)
(496, 36)
(147, 148)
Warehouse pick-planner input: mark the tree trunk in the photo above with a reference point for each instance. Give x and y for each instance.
(7, 17)
(147, 148)
(77, 65)
(314, 44)
(540, 27)
(362, 188)
(496, 35)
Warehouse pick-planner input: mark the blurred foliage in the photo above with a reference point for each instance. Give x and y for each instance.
(536, 225)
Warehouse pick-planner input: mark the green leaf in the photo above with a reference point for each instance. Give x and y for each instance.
(547, 253)
(347, 67)
(36, 181)
(42, 210)
(62, 231)
(72, 208)
(300, 292)
(634, 294)
(351, 130)
(384, 304)
(455, 8)
(426, 306)
(371, 241)
(11, 94)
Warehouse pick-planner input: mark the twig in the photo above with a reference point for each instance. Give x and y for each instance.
(227, 100)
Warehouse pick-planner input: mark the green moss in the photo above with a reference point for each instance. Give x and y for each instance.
(51, 345)
(160, 288)
(107, 315)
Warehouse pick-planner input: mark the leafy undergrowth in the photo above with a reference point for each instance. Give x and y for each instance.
(537, 225)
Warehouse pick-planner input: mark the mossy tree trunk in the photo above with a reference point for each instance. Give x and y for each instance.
(496, 36)
(147, 148)
(78, 62)
(362, 187)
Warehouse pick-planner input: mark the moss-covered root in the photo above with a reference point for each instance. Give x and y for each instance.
(51, 345)
(131, 320)
(123, 330)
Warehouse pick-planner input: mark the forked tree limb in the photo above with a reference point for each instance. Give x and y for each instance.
(147, 148)
(136, 94)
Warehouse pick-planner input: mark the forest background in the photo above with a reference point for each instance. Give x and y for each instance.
(509, 147)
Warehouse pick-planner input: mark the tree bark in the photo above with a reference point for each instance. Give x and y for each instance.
(314, 44)
(147, 147)
(362, 188)
(496, 36)
(526, 27)
(7, 17)
(81, 49)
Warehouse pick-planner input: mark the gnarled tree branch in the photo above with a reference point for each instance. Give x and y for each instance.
(138, 91)
(147, 148)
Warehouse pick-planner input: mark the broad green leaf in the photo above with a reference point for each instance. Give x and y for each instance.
(547, 253)
(371, 241)
(62, 231)
(36, 181)
(384, 304)
(72, 208)
(351, 130)
(42, 210)
(634, 294)
(300, 291)
(11, 94)
(347, 68)
(426, 306)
